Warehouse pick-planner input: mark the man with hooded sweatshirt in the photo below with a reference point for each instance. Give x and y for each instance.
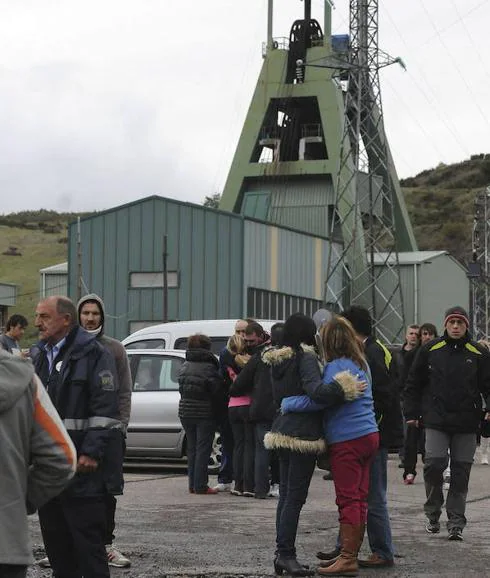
(445, 386)
(39, 462)
(91, 315)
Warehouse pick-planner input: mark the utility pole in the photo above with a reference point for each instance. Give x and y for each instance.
(165, 281)
(79, 261)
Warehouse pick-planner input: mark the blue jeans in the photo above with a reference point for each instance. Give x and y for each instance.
(200, 435)
(378, 521)
(262, 459)
(296, 471)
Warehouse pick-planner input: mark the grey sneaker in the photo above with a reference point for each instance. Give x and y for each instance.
(222, 487)
(432, 527)
(456, 534)
(116, 559)
(274, 491)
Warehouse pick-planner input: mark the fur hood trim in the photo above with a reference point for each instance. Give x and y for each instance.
(275, 356)
(348, 382)
(277, 441)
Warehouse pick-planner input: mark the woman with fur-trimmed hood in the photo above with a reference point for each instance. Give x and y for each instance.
(298, 437)
(352, 435)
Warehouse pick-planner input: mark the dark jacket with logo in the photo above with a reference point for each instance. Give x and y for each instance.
(201, 386)
(255, 380)
(445, 383)
(386, 395)
(83, 387)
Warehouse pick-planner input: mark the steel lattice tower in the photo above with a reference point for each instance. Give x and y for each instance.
(479, 269)
(369, 206)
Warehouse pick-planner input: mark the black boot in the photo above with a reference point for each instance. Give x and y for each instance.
(335, 553)
(290, 567)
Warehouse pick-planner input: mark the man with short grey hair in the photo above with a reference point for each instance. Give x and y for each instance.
(80, 377)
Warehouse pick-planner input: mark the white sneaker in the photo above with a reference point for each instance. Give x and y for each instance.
(44, 562)
(274, 491)
(116, 559)
(221, 487)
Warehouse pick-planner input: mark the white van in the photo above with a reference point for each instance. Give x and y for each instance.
(174, 335)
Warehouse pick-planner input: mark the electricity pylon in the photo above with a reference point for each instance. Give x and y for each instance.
(374, 221)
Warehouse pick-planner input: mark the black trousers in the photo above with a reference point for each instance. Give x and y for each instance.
(110, 513)
(244, 448)
(74, 533)
(11, 571)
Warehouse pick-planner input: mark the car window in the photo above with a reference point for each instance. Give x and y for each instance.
(157, 373)
(217, 344)
(147, 344)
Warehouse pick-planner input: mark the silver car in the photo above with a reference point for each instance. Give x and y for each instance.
(154, 430)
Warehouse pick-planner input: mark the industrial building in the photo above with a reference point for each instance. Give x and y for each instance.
(219, 265)
(223, 265)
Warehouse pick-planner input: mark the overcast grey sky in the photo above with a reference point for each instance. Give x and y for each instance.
(103, 102)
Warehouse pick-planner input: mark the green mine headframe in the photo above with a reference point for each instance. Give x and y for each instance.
(313, 155)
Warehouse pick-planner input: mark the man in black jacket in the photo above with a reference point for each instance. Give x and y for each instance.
(445, 385)
(80, 377)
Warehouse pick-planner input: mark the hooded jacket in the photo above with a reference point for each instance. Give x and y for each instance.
(113, 464)
(120, 357)
(37, 458)
(301, 431)
(200, 386)
(386, 394)
(83, 387)
(445, 383)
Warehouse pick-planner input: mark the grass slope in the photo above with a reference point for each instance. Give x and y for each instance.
(39, 250)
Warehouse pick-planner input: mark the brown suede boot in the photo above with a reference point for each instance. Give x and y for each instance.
(346, 563)
(327, 563)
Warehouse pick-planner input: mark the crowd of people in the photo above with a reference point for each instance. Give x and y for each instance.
(282, 402)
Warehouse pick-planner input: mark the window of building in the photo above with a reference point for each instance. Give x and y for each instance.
(262, 304)
(152, 279)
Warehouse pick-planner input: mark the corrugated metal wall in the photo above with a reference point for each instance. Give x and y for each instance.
(53, 284)
(429, 288)
(204, 246)
(8, 294)
(299, 204)
(286, 261)
(443, 284)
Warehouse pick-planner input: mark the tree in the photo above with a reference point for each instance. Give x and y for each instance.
(212, 201)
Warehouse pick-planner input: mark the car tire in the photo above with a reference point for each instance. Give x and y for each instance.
(215, 457)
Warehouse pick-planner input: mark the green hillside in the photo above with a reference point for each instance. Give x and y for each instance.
(440, 202)
(40, 238)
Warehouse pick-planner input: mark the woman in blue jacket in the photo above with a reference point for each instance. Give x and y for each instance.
(352, 436)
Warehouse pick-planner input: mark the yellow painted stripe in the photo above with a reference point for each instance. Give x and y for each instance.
(318, 270)
(274, 248)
